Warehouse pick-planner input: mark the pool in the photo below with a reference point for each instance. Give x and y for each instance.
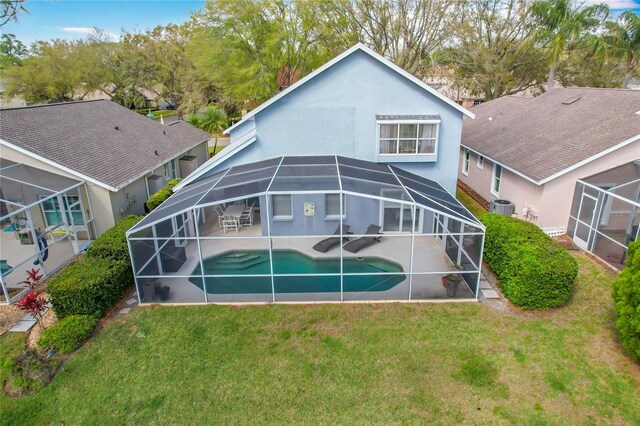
(256, 262)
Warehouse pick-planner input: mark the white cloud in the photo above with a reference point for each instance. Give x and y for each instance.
(87, 31)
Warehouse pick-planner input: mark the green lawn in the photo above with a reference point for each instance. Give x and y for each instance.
(217, 150)
(472, 205)
(351, 363)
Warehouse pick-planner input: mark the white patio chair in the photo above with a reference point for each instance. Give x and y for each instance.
(220, 215)
(229, 224)
(247, 208)
(247, 217)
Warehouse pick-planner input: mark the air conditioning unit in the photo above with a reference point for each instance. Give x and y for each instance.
(502, 207)
(188, 164)
(155, 182)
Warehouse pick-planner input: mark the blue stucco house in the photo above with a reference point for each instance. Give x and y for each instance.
(358, 105)
(337, 189)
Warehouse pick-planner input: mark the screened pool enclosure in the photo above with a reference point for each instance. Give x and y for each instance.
(605, 213)
(46, 220)
(307, 229)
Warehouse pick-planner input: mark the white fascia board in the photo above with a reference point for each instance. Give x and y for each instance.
(339, 58)
(226, 153)
(564, 171)
(57, 165)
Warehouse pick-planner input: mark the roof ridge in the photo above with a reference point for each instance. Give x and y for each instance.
(618, 89)
(54, 104)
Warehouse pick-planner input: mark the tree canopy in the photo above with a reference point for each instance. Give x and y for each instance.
(236, 51)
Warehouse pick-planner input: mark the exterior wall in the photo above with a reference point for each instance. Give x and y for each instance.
(514, 188)
(551, 201)
(558, 193)
(335, 113)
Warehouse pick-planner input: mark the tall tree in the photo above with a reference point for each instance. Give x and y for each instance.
(561, 25)
(12, 51)
(622, 39)
(405, 31)
(254, 48)
(492, 54)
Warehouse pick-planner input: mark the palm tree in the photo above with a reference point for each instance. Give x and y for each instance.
(622, 39)
(212, 120)
(561, 25)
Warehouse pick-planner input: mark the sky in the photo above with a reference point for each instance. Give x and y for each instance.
(49, 19)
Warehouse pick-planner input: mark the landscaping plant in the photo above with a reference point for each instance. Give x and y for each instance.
(626, 295)
(159, 197)
(33, 302)
(68, 334)
(113, 243)
(533, 271)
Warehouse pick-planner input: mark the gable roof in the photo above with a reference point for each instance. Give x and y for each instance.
(98, 141)
(358, 47)
(544, 137)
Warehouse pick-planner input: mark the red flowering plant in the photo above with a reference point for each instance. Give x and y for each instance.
(33, 278)
(33, 302)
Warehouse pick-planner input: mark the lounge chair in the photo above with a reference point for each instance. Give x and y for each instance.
(362, 242)
(326, 244)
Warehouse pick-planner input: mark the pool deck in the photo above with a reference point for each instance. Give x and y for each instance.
(429, 256)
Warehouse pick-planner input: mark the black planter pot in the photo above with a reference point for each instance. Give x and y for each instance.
(164, 293)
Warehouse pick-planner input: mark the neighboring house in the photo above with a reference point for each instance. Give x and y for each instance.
(120, 155)
(357, 105)
(532, 151)
(337, 189)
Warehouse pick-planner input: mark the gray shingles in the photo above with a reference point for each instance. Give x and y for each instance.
(541, 136)
(83, 136)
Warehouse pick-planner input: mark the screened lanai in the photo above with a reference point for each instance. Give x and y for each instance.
(307, 229)
(45, 220)
(605, 213)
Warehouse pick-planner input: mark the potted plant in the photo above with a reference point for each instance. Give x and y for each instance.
(148, 291)
(451, 282)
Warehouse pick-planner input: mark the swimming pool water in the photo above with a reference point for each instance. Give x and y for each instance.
(255, 262)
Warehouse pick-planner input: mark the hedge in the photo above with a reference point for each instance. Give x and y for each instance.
(68, 334)
(626, 295)
(158, 198)
(90, 286)
(113, 243)
(533, 271)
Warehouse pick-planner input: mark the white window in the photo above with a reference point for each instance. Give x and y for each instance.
(419, 138)
(53, 215)
(496, 181)
(332, 206)
(465, 162)
(480, 162)
(282, 209)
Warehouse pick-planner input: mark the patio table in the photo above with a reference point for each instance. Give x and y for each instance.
(234, 211)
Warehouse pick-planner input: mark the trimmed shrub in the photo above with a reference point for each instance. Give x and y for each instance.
(534, 272)
(89, 287)
(68, 334)
(626, 295)
(113, 243)
(158, 198)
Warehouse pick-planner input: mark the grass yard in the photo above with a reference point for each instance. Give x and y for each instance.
(217, 150)
(351, 363)
(472, 205)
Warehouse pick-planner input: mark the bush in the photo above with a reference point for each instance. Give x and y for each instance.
(626, 295)
(113, 243)
(89, 287)
(68, 334)
(534, 272)
(158, 198)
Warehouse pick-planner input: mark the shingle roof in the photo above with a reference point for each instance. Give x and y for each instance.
(99, 139)
(542, 136)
